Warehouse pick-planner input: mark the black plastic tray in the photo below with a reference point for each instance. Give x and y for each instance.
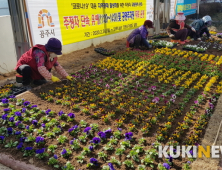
(103, 51)
(184, 48)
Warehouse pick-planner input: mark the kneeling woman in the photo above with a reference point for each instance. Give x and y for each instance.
(178, 29)
(138, 37)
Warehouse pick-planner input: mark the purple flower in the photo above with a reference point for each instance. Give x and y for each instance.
(22, 139)
(71, 115)
(11, 119)
(39, 139)
(188, 162)
(20, 145)
(12, 96)
(96, 140)
(23, 110)
(40, 151)
(111, 166)
(120, 129)
(153, 87)
(55, 156)
(59, 126)
(211, 106)
(91, 148)
(4, 117)
(102, 135)
(61, 113)
(7, 110)
(28, 148)
(128, 135)
(108, 132)
(43, 125)
(5, 101)
(107, 86)
(196, 102)
(2, 137)
(27, 127)
(64, 151)
(87, 129)
(191, 152)
(10, 130)
(166, 165)
(156, 100)
(26, 103)
(18, 133)
(170, 158)
(172, 100)
(47, 111)
(93, 161)
(173, 96)
(71, 142)
(70, 130)
(18, 113)
(33, 106)
(35, 122)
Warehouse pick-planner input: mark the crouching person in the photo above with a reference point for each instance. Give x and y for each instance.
(200, 26)
(178, 29)
(138, 37)
(35, 65)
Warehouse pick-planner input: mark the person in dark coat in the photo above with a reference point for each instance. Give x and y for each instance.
(200, 26)
(178, 29)
(138, 37)
(35, 65)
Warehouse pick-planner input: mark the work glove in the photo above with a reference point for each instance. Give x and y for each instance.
(199, 39)
(70, 78)
(193, 29)
(171, 36)
(55, 79)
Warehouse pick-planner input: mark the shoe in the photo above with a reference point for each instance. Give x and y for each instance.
(182, 42)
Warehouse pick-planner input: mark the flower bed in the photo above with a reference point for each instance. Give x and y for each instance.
(133, 104)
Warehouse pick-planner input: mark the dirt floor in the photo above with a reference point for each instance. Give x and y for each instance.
(74, 61)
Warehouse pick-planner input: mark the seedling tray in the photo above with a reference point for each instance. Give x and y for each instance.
(184, 48)
(104, 51)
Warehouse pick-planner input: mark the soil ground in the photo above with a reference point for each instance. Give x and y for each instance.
(74, 61)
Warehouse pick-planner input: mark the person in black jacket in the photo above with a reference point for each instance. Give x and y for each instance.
(178, 29)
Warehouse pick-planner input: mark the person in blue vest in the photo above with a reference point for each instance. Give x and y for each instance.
(200, 26)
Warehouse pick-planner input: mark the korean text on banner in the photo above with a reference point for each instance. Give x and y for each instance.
(81, 20)
(44, 20)
(187, 6)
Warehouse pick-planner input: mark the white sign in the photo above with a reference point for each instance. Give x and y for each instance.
(173, 4)
(44, 20)
(149, 9)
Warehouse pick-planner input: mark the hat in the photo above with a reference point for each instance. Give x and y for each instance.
(180, 16)
(148, 23)
(54, 45)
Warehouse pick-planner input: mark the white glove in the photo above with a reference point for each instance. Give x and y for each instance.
(193, 29)
(171, 35)
(199, 39)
